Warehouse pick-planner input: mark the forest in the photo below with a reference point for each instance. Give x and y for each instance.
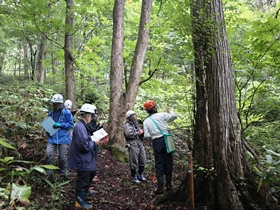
(215, 63)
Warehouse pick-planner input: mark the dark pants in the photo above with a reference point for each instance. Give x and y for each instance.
(84, 179)
(163, 160)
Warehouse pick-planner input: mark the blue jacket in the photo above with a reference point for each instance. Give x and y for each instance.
(65, 118)
(83, 151)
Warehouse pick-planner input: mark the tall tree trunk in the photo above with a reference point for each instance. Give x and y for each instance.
(139, 55)
(25, 59)
(55, 63)
(32, 58)
(116, 74)
(19, 61)
(40, 69)
(120, 100)
(68, 54)
(217, 142)
(1, 63)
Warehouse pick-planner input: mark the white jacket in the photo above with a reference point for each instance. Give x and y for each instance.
(161, 118)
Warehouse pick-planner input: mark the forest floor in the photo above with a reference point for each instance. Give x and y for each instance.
(113, 189)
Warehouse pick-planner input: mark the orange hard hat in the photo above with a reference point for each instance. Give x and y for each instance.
(149, 104)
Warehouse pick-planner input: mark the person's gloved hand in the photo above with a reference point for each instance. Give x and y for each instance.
(57, 125)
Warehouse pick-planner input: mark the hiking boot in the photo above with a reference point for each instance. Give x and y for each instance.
(168, 182)
(159, 189)
(83, 206)
(80, 201)
(136, 180)
(141, 178)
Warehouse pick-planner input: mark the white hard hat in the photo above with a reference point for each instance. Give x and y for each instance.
(95, 109)
(88, 108)
(57, 98)
(129, 113)
(68, 104)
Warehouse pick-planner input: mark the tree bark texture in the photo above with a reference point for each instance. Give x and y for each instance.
(1, 64)
(68, 54)
(116, 74)
(139, 54)
(217, 142)
(25, 59)
(40, 69)
(124, 100)
(32, 57)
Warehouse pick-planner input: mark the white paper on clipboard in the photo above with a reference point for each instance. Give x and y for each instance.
(47, 124)
(98, 135)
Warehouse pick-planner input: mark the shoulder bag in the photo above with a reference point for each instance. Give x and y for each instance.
(168, 139)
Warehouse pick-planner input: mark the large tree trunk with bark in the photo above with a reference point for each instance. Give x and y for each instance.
(68, 55)
(124, 100)
(218, 150)
(116, 73)
(217, 142)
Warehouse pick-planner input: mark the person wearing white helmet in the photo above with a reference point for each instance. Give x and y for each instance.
(83, 156)
(137, 154)
(61, 139)
(93, 125)
(68, 104)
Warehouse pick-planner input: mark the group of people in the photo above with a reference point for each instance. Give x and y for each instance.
(83, 151)
(153, 128)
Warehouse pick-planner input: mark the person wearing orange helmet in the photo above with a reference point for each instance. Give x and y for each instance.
(163, 160)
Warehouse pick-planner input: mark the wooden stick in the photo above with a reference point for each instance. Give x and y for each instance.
(191, 184)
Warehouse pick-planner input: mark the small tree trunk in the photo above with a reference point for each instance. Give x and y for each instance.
(40, 69)
(1, 64)
(25, 59)
(32, 58)
(139, 55)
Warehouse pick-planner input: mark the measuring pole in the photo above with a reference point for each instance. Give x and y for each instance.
(191, 185)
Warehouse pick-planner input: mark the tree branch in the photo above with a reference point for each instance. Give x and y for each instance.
(151, 73)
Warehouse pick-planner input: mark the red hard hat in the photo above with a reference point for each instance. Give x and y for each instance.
(149, 104)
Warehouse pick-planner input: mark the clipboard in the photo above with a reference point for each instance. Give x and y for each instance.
(47, 124)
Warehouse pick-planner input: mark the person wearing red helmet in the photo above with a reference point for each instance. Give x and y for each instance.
(163, 160)
(149, 104)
